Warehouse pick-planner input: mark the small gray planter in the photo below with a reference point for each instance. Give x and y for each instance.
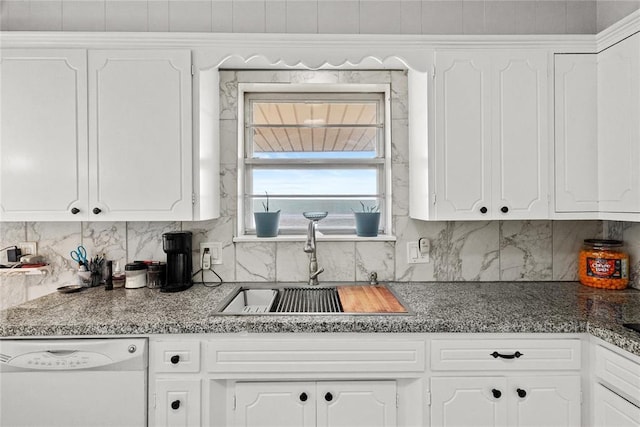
(367, 223)
(267, 223)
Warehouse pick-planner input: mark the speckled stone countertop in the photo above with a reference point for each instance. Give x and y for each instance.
(548, 307)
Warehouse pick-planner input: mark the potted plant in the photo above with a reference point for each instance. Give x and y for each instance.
(367, 221)
(267, 222)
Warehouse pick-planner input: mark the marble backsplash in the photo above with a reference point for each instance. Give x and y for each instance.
(460, 251)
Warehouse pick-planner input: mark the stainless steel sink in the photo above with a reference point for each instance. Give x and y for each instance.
(297, 300)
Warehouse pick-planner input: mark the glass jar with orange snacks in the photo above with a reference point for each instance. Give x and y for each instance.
(603, 264)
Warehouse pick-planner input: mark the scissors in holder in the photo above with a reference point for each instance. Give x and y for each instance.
(80, 256)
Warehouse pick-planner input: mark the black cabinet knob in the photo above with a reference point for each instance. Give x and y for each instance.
(175, 359)
(496, 393)
(175, 404)
(504, 209)
(521, 393)
(483, 210)
(303, 397)
(75, 211)
(328, 397)
(97, 210)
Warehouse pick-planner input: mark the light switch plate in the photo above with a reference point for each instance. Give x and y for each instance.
(215, 251)
(28, 248)
(414, 256)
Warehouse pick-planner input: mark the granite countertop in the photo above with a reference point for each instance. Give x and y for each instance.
(490, 307)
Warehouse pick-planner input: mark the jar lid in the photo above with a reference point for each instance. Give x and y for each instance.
(157, 266)
(134, 266)
(603, 243)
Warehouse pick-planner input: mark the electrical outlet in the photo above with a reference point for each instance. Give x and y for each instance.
(215, 252)
(28, 248)
(416, 256)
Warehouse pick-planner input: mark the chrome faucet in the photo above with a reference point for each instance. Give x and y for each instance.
(310, 247)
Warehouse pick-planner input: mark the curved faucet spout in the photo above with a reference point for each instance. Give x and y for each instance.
(310, 245)
(310, 248)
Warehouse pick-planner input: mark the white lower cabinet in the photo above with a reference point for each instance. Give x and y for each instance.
(611, 410)
(275, 404)
(506, 401)
(616, 393)
(177, 402)
(395, 379)
(322, 404)
(466, 401)
(505, 382)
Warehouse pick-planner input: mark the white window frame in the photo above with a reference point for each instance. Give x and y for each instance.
(243, 88)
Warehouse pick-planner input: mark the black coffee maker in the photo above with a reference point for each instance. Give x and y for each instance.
(177, 246)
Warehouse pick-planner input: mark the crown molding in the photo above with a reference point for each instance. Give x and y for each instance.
(301, 50)
(622, 29)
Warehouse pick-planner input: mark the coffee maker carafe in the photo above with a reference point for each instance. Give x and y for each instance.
(177, 246)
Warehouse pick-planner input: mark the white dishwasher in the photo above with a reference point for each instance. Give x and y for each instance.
(73, 382)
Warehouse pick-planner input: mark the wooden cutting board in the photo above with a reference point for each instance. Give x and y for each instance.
(369, 299)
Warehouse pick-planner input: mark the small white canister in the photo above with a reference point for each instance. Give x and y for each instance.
(135, 275)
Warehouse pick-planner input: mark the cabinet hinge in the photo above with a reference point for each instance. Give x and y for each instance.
(193, 70)
(397, 401)
(155, 400)
(434, 199)
(433, 72)
(428, 398)
(193, 198)
(234, 402)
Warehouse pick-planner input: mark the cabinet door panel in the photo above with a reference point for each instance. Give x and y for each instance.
(520, 135)
(462, 134)
(273, 404)
(468, 401)
(612, 410)
(140, 139)
(545, 401)
(576, 148)
(357, 404)
(43, 141)
(177, 403)
(619, 127)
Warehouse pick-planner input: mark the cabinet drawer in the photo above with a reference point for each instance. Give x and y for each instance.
(621, 373)
(315, 355)
(175, 356)
(505, 355)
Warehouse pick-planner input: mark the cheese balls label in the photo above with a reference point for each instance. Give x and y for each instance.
(606, 268)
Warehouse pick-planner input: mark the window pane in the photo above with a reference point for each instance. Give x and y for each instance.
(315, 113)
(343, 142)
(313, 181)
(314, 151)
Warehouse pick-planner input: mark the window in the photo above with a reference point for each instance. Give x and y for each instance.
(314, 148)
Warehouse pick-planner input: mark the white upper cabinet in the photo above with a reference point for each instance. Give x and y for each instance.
(463, 134)
(110, 141)
(619, 126)
(140, 134)
(43, 135)
(491, 135)
(576, 130)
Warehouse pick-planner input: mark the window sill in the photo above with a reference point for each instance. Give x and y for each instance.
(319, 238)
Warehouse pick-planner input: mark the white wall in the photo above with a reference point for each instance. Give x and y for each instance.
(317, 16)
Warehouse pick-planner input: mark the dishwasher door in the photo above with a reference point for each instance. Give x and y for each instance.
(80, 382)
